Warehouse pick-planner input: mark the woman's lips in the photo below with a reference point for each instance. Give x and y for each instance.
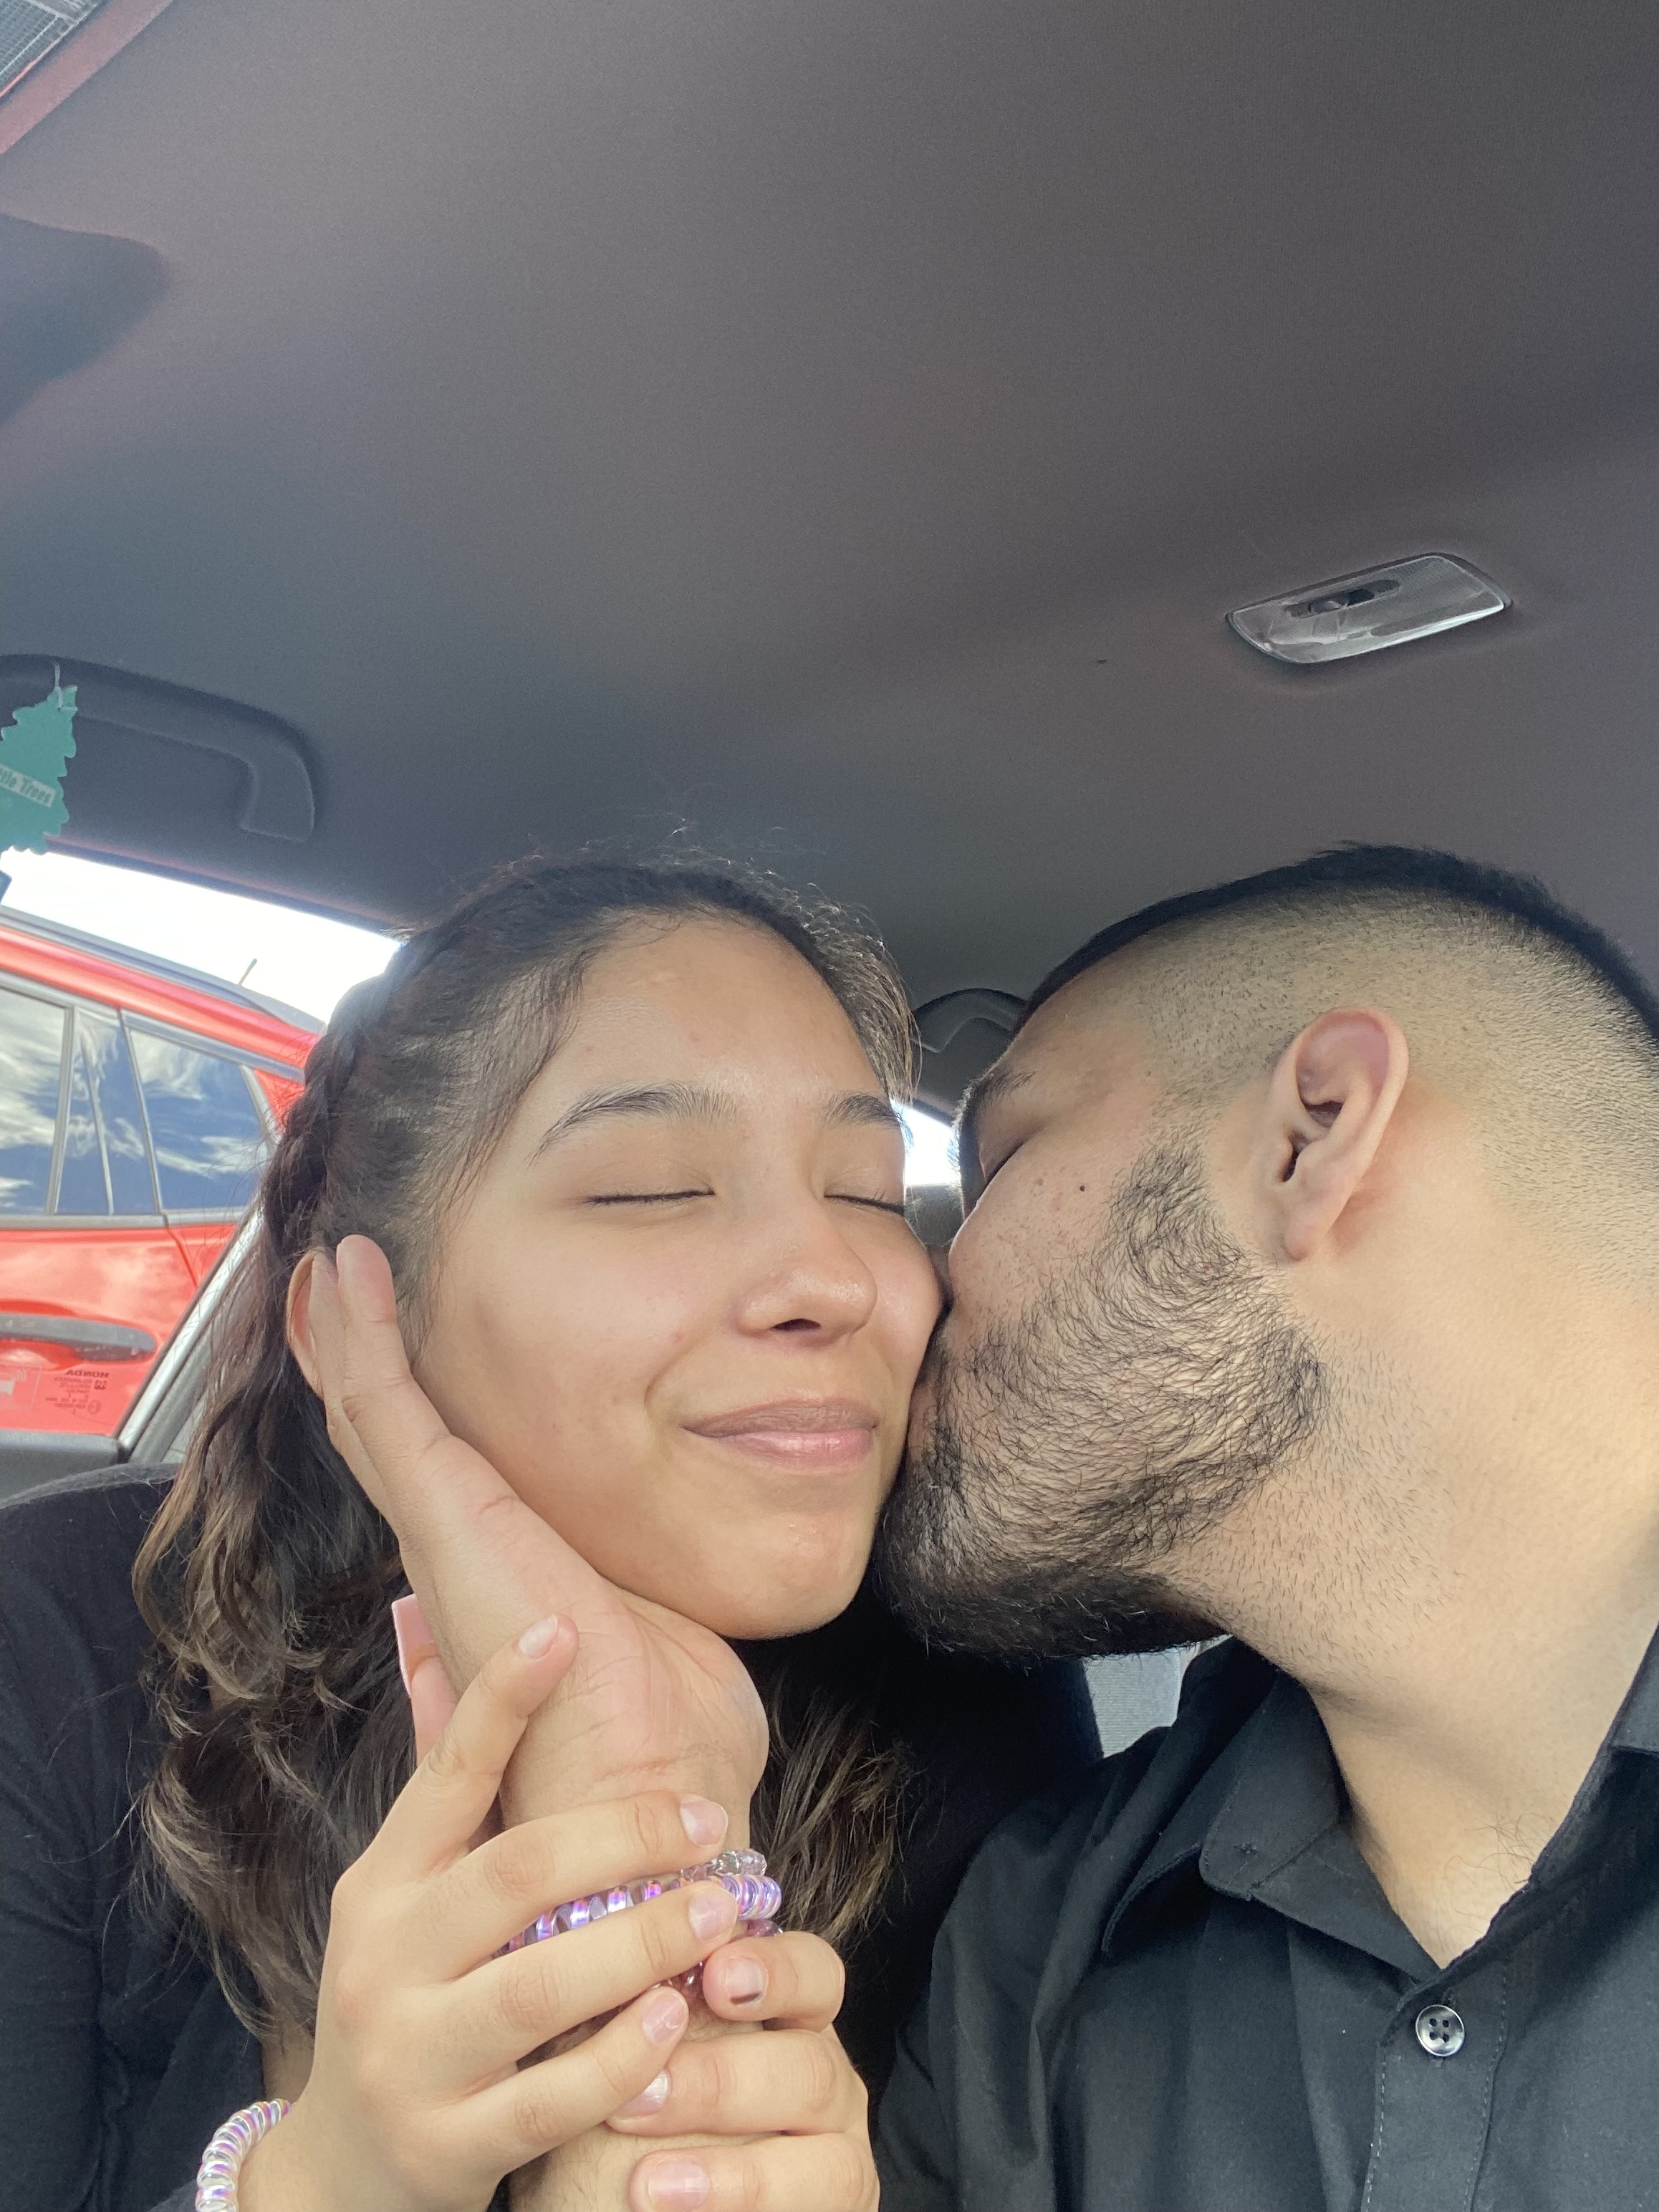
(831, 1432)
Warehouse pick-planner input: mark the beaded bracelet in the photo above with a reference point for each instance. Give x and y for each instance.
(741, 1875)
(222, 2162)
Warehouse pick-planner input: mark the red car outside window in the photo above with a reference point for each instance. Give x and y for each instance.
(137, 1102)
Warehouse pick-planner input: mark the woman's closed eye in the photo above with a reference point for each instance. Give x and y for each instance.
(674, 1197)
(646, 1197)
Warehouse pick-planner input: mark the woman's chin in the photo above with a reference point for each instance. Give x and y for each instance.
(757, 1606)
(768, 1623)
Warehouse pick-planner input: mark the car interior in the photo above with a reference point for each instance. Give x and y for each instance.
(838, 436)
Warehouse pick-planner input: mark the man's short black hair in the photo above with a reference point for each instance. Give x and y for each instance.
(1411, 871)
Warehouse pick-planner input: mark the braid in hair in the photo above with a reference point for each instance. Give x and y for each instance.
(275, 1659)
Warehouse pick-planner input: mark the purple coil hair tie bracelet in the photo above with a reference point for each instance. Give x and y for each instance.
(222, 2162)
(741, 1875)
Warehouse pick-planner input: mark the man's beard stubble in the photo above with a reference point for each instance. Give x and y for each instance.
(1074, 1455)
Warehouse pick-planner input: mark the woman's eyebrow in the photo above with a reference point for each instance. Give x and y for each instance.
(690, 1101)
(861, 1110)
(676, 1102)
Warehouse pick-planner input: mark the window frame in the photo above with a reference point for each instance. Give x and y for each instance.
(77, 1052)
(70, 1004)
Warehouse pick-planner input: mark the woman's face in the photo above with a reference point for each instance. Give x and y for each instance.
(680, 1310)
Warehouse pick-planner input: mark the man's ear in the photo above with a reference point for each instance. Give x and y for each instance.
(1332, 1097)
(300, 1341)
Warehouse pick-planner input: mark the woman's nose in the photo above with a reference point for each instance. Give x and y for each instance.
(819, 1283)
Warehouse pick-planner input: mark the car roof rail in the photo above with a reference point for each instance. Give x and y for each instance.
(154, 963)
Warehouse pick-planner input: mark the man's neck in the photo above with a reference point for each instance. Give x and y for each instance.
(1455, 1790)
(1467, 1626)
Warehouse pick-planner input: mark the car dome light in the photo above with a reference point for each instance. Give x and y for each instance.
(1351, 614)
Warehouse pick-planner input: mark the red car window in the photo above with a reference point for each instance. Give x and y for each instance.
(32, 1058)
(31, 1070)
(137, 1106)
(207, 1132)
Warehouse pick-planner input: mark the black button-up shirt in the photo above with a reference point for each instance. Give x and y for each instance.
(1177, 1987)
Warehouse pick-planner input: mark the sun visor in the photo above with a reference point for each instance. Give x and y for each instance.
(66, 297)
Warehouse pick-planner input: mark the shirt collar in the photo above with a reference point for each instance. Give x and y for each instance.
(1286, 1796)
(1636, 1726)
(1264, 1823)
(1184, 1840)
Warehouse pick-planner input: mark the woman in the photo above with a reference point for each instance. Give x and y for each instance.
(623, 1134)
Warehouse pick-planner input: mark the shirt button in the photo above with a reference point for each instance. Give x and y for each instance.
(1440, 2031)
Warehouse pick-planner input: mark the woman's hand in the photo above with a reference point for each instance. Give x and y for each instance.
(795, 2085)
(653, 1701)
(772, 2123)
(415, 2100)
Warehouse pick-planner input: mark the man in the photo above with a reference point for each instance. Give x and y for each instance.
(1309, 1296)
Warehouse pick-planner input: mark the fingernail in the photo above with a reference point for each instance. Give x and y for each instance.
(710, 1911)
(651, 2099)
(677, 2185)
(539, 1637)
(704, 1821)
(743, 1981)
(661, 2020)
(415, 1639)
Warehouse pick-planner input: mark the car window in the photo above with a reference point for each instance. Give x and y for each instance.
(106, 1040)
(30, 1069)
(206, 1130)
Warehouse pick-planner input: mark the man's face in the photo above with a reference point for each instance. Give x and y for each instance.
(1115, 1375)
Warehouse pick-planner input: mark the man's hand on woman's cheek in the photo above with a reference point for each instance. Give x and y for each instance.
(793, 2089)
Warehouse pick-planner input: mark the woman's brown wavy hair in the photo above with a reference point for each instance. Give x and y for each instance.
(267, 1575)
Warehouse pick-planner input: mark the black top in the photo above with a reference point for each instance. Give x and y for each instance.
(1176, 1986)
(119, 2056)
